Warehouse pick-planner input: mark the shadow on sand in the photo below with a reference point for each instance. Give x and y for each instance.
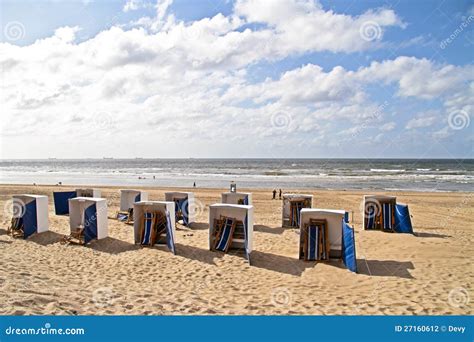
(385, 268)
(198, 254)
(267, 229)
(113, 246)
(432, 235)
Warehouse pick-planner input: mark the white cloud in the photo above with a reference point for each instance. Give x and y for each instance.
(133, 5)
(421, 122)
(389, 126)
(166, 79)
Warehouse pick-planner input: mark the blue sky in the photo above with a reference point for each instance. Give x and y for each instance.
(294, 78)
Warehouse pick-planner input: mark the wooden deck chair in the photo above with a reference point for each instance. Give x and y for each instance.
(316, 242)
(159, 228)
(226, 232)
(371, 215)
(146, 236)
(125, 216)
(16, 228)
(388, 217)
(76, 237)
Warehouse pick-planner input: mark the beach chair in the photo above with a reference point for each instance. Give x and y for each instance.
(316, 242)
(125, 216)
(154, 228)
(295, 208)
(225, 227)
(371, 215)
(181, 210)
(147, 234)
(388, 217)
(16, 228)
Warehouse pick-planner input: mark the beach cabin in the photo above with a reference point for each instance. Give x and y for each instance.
(242, 198)
(30, 215)
(154, 223)
(184, 206)
(61, 198)
(384, 213)
(325, 234)
(87, 219)
(291, 207)
(127, 199)
(231, 227)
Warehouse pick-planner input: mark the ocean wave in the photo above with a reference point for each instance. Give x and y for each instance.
(387, 170)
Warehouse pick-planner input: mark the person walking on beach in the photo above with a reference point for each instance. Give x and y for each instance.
(279, 195)
(274, 194)
(194, 185)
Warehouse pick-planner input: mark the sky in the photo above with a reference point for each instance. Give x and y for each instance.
(237, 79)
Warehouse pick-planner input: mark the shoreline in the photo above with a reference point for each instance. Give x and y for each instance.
(301, 190)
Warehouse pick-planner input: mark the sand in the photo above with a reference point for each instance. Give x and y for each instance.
(430, 273)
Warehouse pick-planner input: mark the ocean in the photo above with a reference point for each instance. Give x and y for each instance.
(376, 174)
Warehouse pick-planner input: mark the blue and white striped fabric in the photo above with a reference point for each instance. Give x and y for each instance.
(296, 208)
(226, 235)
(246, 200)
(122, 217)
(148, 226)
(387, 216)
(313, 243)
(370, 212)
(169, 234)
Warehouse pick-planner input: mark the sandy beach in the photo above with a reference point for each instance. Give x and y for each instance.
(430, 273)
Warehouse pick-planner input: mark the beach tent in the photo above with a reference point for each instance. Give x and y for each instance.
(127, 200)
(184, 206)
(383, 213)
(154, 223)
(61, 198)
(129, 197)
(231, 227)
(30, 215)
(88, 219)
(96, 193)
(291, 207)
(242, 198)
(326, 234)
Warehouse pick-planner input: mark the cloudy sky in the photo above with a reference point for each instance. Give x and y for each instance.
(281, 78)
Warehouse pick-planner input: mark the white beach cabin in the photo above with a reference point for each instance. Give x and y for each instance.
(96, 193)
(292, 204)
(61, 198)
(30, 215)
(242, 198)
(231, 227)
(382, 212)
(154, 223)
(325, 234)
(129, 197)
(185, 209)
(88, 218)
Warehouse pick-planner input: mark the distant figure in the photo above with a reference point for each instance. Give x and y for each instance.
(153, 177)
(233, 187)
(60, 183)
(279, 195)
(274, 194)
(194, 185)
